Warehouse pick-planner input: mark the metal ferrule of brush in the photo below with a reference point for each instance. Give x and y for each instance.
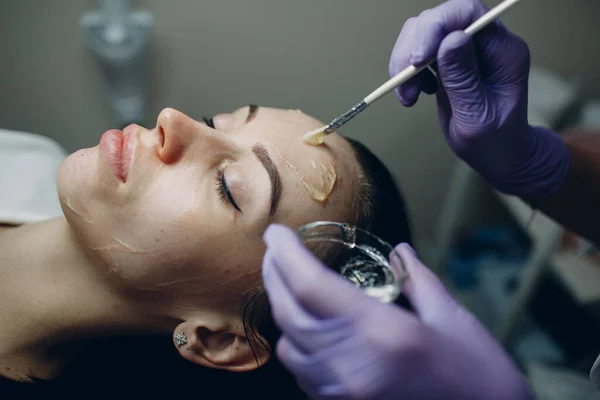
(342, 119)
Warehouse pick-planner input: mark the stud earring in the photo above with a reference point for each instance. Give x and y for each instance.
(180, 339)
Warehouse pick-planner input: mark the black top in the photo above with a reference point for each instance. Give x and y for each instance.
(150, 367)
(10, 389)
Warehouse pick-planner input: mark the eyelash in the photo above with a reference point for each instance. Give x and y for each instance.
(209, 122)
(223, 189)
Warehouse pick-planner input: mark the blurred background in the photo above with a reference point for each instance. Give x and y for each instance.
(207, 57)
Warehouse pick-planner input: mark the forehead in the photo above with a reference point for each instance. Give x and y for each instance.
(275, 122)
(304, 169)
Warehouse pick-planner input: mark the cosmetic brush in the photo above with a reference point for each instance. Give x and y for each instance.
(317, 136)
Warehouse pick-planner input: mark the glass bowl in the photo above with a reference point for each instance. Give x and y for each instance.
(359, 256)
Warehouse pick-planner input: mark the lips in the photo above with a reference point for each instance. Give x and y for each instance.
(118, 148)
(111, 145)
(129, 145)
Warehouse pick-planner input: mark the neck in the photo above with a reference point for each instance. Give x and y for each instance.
(54, 300)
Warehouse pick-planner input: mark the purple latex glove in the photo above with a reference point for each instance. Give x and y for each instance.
(482, 101)
(342, 344)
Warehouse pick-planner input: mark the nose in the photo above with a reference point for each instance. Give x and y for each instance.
(178, 133)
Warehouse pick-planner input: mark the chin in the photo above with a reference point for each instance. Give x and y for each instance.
(75, 170)
(75, 181)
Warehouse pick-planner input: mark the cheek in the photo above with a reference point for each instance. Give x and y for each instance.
(220, 272)
(210, 267)
(145, 226)
(163, 226)
(174, 197)
(168, 237)
(158, 255)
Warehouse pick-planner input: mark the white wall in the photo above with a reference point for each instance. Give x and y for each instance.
(318, 55)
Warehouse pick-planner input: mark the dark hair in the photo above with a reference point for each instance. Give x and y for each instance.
(146, 366)
(380, 210)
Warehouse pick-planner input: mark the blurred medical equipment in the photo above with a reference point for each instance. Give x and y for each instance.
(557, 103)
(316, 137)
(119, 38)
(551, 99)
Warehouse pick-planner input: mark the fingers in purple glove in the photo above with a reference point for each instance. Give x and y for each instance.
(434, 24)
(422, 38)
(288, 314)
(316, 288)
(408, 93)
(426, 292)
(458, 67)
(313, 376)
(307, 331)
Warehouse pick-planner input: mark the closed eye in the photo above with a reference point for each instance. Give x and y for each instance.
(223, 189)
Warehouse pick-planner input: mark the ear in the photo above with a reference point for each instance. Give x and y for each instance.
(218, 345)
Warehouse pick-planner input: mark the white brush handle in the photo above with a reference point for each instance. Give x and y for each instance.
(411, 71)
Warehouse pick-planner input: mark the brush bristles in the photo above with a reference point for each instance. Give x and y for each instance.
(315, 137)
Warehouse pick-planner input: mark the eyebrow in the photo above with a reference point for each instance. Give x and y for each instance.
(260, 151)
(252, 109)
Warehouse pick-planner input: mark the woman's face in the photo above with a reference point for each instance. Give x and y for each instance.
(178, 211)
